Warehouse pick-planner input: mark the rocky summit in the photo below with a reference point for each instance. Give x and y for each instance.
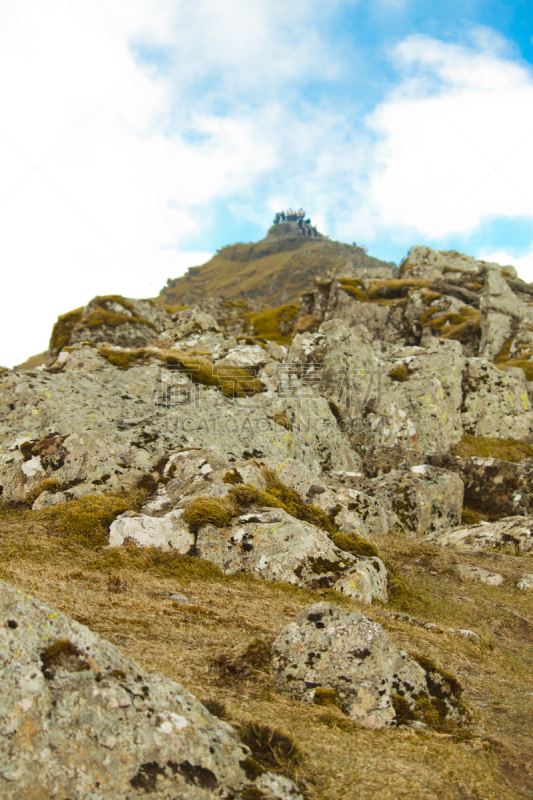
(269, 535)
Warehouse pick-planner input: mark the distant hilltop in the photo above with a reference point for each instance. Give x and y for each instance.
(272, 271)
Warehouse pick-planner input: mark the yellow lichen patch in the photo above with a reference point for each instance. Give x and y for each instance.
(273, 324)
(63, 328)
(454, 324)
(389, 290)
(515, 450)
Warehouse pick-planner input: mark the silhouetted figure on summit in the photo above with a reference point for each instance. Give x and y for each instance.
(304, 225)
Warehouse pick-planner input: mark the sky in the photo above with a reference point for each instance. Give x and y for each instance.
(139, 136)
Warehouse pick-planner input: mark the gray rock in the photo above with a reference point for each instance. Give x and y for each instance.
(328, 654)
(514, 534)
(424, 498)
(166, 533)
(525, 583)
(187, 323)
(494, 487)
(471, 573)
(179, 598)
(273, 545)
(420, 413)
(81, 720)
(150, 411)
(115, 320)
(423, 262)
(496, 403)
(76, 465)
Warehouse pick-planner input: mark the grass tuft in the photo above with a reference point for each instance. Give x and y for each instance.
(208, 511)
(514, 450)
(273, 749)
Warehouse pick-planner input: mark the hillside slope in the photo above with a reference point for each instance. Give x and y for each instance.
(318, 518)
(273, 271)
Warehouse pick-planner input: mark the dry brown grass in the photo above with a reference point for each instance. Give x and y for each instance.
(124, 595)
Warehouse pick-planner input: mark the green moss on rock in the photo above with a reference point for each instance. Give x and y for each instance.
(399, 373)
(208, 511)
(62, 330)
(273, 324)
(514, 450)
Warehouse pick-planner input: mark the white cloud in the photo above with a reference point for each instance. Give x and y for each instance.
(454, 139)
(127, 187)
(149, 154)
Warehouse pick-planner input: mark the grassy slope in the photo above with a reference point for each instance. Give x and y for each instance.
(274, 271)
(124, 595)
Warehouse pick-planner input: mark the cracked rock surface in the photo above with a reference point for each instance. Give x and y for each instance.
(80, 720)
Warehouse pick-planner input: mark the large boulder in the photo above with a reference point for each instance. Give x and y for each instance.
(492, 486)
(424, 498)
(168, 532)
(275, 546)
(342, 657)
(66, 467)
(80, 720)
(423, 262)
(514, 534)
(113, 319)
(384, 397)
(468, 572)
(495, 403)
(353, 511)
(151, 407)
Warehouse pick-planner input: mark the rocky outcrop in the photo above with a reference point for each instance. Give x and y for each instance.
(59, 467)
(113, 319)
(273, 545)
(225, 512)
(158, 401)
(514, 534)
(331, 656)
(81, 720)
(471, 573)
(385, 398)
(493, 487)
(496, 403)
(425, 499)
(436, 294)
